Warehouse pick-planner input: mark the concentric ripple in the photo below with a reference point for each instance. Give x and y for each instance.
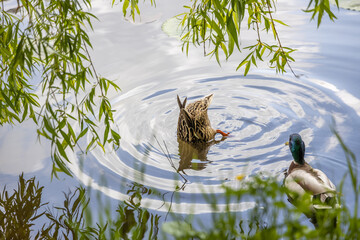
(259, 112)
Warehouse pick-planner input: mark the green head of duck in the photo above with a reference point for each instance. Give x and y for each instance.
(297, 148)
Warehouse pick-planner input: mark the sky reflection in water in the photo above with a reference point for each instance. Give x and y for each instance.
(259, 110)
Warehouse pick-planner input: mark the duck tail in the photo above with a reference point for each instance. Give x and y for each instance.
(181, 105)
(183, 112)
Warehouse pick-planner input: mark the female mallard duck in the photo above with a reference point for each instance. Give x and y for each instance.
(301, 178)
(194, 124)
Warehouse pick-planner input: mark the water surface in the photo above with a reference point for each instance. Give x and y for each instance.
(260, 110)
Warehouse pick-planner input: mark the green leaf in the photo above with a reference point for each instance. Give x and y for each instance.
(8, 102)
(116, 136)
(25, 112)
(282, 23)
(83, 132)
(48, 127)
(61, 165)
(241, 64)
(253, 60)
(106, 134)
(220, 18)
(273, 29)
(231, 46)
(61, 150)
(232, 31)
(66, 139)
(91, 143)
(247, 68)
(215, 27)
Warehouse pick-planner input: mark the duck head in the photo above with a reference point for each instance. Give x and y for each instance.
(297, 148)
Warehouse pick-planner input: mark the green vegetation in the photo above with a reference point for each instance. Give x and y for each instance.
(272, 217)
(48, 40)
(47, 75)
(216, 25)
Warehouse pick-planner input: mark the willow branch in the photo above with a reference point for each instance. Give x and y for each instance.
(278, 39)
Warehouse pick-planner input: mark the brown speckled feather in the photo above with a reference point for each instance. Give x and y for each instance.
(194, 124)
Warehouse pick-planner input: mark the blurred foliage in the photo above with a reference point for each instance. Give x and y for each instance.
(320, 7)
(132, 6)
(271, 218)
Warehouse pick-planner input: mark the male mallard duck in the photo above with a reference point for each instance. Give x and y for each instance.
(301, 178)
(194, 124)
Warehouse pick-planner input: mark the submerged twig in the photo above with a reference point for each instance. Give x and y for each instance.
(168, 156)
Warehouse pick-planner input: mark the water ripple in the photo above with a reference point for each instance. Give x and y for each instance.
(259, 111)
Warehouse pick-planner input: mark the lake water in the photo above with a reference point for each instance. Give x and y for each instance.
(260, 111)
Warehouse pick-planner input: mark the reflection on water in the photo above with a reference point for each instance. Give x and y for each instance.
(194, 155)
(135, 221)
(260, 111)
(23, 208)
